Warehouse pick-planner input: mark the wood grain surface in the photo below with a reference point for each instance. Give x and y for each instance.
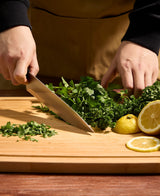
(78, 185)
(72, 150)
(13, 184)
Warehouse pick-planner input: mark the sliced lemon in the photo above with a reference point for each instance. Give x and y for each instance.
(127, 124)
(144, 144)
(149, 118)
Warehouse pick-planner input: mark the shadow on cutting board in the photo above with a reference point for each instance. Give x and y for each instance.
(26, 116)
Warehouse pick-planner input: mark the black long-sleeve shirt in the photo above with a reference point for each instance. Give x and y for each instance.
(13, 13)
(144, 27)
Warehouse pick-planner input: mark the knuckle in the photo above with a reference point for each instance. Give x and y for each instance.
(126, 65)
(21, 54)
(15, 55)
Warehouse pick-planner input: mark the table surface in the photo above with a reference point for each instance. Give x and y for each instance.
(73, 185)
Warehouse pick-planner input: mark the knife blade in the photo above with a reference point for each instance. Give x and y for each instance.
(55, 103)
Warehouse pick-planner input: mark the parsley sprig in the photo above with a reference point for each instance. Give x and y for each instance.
(26, 131)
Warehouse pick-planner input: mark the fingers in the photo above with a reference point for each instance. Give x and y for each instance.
(18, 54)
(16, 70)
(22, 66)
(135, 77)
(34, 67)
(20, 72)
(13, 80)
(109, 75)
(5, 73)
(135, 80)
(155, 75)
(148, 79)
(138, 67)
(138, 82)
(126, 74)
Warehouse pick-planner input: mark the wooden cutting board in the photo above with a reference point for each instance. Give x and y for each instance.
(70, 151)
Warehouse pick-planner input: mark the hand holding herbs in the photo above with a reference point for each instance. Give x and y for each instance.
(101, 107)
(26, 131)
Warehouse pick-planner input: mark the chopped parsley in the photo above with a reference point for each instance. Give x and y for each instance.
(26, 131)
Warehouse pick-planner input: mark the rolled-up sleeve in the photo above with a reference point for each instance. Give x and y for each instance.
(144, 27)
(13, 13)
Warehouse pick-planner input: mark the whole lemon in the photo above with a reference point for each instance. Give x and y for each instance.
(127, 124)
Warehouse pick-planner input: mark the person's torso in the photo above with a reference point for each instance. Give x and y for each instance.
(78, 37)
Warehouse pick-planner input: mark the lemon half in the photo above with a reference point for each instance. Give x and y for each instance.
(144, 144)
(149, 118)
(127, 124)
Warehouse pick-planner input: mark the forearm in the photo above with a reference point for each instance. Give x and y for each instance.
(144, 28)
(13, 13)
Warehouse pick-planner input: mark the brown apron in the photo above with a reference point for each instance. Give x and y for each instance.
(77, 38)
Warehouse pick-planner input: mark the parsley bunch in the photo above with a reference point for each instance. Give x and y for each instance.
(101, 107)
(26, 131)
(89, 99)
(133, 105)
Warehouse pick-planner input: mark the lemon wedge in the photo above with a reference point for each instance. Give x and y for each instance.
(144, 144)
(127, 124)
(149, 118)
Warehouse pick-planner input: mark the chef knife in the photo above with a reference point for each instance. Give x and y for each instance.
(55, 103)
